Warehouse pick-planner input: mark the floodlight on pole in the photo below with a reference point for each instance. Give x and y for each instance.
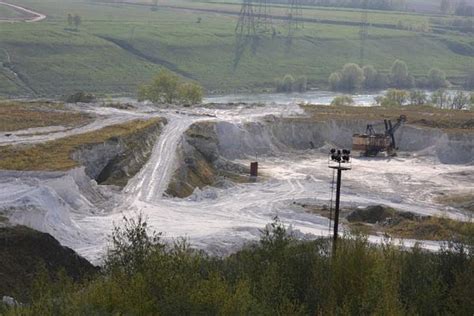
(338, 159)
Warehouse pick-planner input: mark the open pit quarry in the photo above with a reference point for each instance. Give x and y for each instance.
(188, 175)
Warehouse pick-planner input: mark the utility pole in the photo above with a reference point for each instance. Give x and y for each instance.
(339, 160)
(363, 32)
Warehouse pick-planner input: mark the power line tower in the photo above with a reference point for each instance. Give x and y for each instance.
(246, 26)
(295, 12)
(264, 19)
(245, 30)
(363, 31)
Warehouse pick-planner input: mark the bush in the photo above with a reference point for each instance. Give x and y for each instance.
(190, 93)
(80, 97)
(393, 97)
(342, 100)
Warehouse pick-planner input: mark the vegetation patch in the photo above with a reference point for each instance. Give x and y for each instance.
(460, 201)
(419, 115)
(22, 115)
(56, 155)
(277, 275)
(381, 219)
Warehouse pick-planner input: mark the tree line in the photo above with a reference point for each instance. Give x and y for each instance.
(352, 77)
(279, 275)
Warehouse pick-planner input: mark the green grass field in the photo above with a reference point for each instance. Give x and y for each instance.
(120, 46)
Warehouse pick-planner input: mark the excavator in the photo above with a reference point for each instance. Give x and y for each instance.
(372, 144)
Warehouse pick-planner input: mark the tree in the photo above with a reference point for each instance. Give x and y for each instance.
(342, 100)
(440, 98)
(445, 6)
(460, 100)
(396, 97)
(469, 81)
(334, 80)
(190, 93)
(418, 97)
(301, 84)
(371, 77)
(352, 77)
(399, 76)
(77, 21)
(437, 79)
(163, 88)
(70, 20)
(288, 82)
(167, 88)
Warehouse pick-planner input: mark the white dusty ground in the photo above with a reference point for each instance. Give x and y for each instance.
(81, 214)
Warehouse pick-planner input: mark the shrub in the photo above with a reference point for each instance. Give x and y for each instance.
(393, 97)
(80, 97)
(190, 93)
(342, 100)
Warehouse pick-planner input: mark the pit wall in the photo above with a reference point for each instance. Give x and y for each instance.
(208, 148)
(273, 135)
(118, 159)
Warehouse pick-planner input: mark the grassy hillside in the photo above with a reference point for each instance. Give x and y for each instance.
(120, 46)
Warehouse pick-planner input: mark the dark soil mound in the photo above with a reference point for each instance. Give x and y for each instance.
(22, 250)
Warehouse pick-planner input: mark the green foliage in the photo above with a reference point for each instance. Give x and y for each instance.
(393, 97)
(190, 93)
(371, 77)
(162, 89)
(399, 76)
(167, 88)
(285, 84)
(437, 79)
(277, 276)
(351, 78)
(131, 245)
(342, 100)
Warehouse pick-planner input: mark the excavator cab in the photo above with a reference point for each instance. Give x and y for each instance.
(372, 144)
